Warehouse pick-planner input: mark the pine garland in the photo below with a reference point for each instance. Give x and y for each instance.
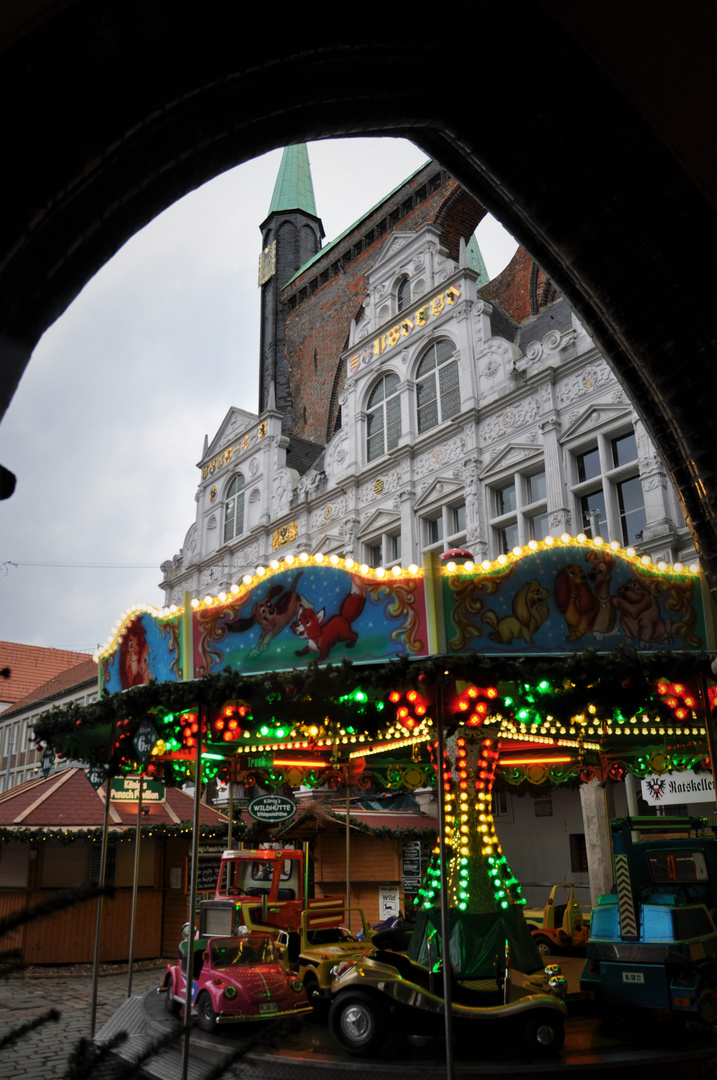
(623, 679)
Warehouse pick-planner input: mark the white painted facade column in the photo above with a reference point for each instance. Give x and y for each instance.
(597, 810)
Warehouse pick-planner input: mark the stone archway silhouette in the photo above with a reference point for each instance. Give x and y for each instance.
(585, 137)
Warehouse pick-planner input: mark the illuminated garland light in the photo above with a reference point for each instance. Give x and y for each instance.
(517, 553)
(477, 874)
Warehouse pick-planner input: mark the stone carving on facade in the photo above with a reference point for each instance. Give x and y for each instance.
(282, 491)
(382, 485)
(439, 456)
(190, 540)
(492, 367)
(523, 413)
(349, 533)
(560, 520)
(657, 480)
(337, 452)
(210, 576)
(308, 483)
(332, 511)
(248, 555)
(582, 383)
(212, 522)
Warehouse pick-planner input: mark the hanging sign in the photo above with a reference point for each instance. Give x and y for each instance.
(678, 787)
(272, 808)
(96, 776)
(145, 740)
(126, 789)
(411, 866)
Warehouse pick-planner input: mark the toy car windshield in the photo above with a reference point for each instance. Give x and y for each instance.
(242, 952)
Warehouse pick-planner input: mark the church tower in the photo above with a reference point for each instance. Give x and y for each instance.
(290, 236)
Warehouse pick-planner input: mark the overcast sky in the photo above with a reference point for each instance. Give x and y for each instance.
(108, 423)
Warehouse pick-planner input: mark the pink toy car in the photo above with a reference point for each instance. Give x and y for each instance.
(235, 980)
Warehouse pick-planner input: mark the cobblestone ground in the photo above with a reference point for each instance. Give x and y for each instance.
(45, 1052)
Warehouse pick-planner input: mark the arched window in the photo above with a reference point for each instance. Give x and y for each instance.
(384, 417)
(403, 296)
(437, 391)
(234, 509)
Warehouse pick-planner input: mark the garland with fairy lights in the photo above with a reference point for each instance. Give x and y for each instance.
(588, 699)
(208, 833)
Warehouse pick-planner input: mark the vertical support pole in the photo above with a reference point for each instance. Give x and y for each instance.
(348, 847)
(306, 873)
(98, 920)
(137, 841)
(187, 639)
(445, 919)
(709, 725)
(231, 808)
(194, 862)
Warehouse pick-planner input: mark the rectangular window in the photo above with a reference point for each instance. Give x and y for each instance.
(536, 487)
(624, 450)
(539, 527)
(458, 519)
(631, 506)
(375, 556)
(394, 547)
(588, 465)
(593, 513)
(505, 500)
(433, 530)
(507, 539)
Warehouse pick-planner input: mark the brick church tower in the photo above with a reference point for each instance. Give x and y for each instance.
(291, 235)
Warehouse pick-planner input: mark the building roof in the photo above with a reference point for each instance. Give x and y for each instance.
(66, 799)
(72, 678)
(337, 240)
(294, 188)
(30, 666)
(476, 261)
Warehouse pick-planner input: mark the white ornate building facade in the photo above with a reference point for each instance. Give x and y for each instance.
(458, 428)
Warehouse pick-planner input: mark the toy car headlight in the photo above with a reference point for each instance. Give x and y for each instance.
(230, 992)
(340, 969)
(559, 986)
(297, 986)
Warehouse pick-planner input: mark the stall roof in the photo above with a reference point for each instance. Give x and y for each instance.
(65, 799)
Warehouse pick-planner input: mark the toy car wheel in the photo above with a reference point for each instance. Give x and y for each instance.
(543, 1034)
(206, 1013)
(318, 1003)
(545, 946)
(357, 1022)
(170, 1005)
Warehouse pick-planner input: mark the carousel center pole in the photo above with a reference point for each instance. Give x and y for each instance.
(445, 918)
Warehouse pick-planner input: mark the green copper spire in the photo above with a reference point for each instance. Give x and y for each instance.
(475, 261)
(294, 189)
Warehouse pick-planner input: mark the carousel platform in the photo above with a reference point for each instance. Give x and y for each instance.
(306, 1050)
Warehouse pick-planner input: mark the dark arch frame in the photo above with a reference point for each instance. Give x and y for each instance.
(122, 107)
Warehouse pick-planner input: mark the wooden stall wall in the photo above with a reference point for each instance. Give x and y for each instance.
(374, 861)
